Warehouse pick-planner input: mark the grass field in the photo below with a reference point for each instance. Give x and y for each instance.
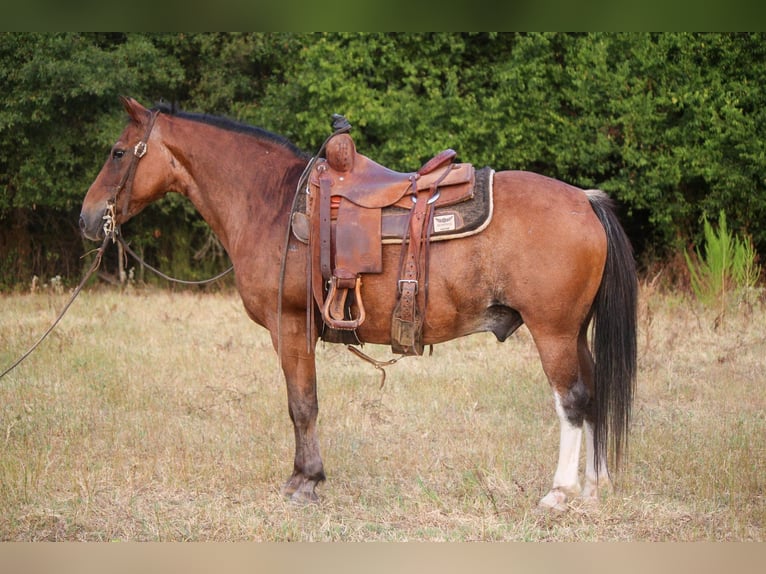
(152, 415)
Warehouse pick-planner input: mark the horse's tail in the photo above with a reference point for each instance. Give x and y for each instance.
(614, 334)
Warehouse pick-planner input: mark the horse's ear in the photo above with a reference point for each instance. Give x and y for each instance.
(136, 111)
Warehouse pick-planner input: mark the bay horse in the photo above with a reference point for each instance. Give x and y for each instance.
(553, 258)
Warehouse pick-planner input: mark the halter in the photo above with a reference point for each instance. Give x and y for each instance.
(126, 183)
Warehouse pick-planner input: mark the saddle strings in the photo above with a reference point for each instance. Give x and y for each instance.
(375, 363)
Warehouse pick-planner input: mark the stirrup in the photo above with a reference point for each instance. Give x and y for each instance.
(329, 303)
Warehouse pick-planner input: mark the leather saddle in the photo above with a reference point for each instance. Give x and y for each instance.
(347, 195)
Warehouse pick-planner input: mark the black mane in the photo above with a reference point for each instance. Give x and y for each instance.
(232, 125)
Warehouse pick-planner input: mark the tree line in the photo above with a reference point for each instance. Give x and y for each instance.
(669, 124)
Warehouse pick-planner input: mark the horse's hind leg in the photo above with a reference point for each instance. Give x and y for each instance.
(571, 395)
(596, 473)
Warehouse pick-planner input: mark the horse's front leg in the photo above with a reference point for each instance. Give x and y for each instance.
(300, 375)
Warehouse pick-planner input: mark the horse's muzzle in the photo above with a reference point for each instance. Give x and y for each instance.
(92, 226)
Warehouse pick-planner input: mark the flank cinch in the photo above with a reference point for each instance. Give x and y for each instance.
(348, 193)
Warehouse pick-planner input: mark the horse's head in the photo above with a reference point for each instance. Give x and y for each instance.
(133, 176)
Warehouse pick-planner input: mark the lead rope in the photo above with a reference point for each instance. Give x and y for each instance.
(156, 271)
(94, 266)
(112, 234)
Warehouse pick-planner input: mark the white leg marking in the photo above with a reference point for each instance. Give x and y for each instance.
(592, 480)
(566, 476)
(565, 481)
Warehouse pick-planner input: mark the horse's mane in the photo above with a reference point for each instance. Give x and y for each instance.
(231, 125)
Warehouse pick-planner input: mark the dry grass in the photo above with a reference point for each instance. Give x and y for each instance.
(159, 416)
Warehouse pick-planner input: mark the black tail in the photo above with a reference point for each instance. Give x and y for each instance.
(614, 334)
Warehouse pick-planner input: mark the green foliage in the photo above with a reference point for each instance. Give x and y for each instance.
(727, 269)
(672, 125)
(669, 124)
(54, 122)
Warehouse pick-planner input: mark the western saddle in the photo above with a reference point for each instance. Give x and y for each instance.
(347, 193)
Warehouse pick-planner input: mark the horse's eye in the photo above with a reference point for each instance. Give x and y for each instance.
(118, 153)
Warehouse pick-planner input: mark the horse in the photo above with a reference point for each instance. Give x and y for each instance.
(554, 258)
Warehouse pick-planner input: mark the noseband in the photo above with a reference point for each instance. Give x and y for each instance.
(126, 183)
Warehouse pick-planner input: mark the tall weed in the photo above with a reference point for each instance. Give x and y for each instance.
(728, 270)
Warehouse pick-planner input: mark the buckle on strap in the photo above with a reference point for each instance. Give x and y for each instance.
(431, 199)
(413, 281)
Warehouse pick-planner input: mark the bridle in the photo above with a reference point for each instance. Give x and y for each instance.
(112, 230)
(126, 183)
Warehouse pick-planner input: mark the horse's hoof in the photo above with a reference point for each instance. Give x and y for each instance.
(555, 500)
(300, 490)
(303, 499)
(592, 488)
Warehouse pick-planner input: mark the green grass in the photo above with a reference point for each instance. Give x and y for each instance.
(149, 415)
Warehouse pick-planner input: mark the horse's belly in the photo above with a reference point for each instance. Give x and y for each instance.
(455, 297)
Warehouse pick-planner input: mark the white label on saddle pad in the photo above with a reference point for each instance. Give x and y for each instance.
(444, 223)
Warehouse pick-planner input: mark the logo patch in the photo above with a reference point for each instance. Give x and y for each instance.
(444, 223)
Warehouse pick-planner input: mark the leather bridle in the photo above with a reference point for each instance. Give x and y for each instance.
(126, 183)
(111, 229)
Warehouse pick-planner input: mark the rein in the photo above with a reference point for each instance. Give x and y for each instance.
(340, 125)
(159, 273)
(112, 228)
(113, 237)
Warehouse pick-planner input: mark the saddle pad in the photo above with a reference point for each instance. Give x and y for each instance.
(450, 222)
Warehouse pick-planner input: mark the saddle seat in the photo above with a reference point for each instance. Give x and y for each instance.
(371, 185)
(347, 193)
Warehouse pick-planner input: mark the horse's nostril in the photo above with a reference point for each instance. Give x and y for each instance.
(83, 226)
(86, 233)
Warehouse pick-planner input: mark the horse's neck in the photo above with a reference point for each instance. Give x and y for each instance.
(243, 191)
